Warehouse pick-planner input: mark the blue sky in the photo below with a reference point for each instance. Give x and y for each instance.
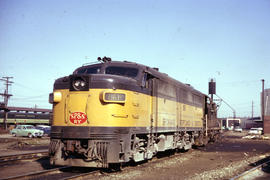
(191, 40)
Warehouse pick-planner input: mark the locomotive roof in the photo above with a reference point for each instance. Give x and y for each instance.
(167, 78)
(153, 71)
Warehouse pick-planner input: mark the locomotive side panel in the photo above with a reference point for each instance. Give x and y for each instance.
(167, 106)
(178, 107)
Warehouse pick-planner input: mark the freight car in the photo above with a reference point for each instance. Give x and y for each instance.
(112, 112)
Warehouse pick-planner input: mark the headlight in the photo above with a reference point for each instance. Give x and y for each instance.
(114, 97)
(79, 84)
(55, 97)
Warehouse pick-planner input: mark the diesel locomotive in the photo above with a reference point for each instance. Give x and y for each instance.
(111, 112)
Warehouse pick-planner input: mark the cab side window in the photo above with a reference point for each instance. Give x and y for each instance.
(146, 81)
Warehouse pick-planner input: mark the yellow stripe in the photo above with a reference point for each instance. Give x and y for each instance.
(135, 112)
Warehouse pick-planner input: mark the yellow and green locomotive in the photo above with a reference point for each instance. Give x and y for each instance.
(112, 112)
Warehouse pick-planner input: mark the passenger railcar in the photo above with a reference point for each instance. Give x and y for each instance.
(26, 118)
(113, 112)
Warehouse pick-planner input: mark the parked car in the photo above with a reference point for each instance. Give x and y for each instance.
(238, 129)
(26, 130)
(46, 129)
(229, 128)
(255, 131)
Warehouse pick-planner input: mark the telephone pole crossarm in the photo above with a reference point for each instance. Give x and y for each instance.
(2, 94)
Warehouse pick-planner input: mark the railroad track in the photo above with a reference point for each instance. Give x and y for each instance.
(69, 173)
(63, 173)
(24, 156)
(255, 172)
(37, 174)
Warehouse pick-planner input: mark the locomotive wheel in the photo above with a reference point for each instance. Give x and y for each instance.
(115, 167)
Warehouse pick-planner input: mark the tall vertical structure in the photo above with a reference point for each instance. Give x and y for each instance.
(212, 88)
(6, 96)
(252, 110)
(266, 111)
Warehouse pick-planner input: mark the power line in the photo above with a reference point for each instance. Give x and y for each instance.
(31, 97)
(246, 82)
(234, 112)
(25, 87)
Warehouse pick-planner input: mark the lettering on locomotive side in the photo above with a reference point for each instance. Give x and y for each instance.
(77, 117)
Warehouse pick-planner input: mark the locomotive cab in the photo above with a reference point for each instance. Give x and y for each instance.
(94, 112)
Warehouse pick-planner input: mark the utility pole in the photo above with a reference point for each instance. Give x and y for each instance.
(6, 97)
(263, 104)
(252, 110)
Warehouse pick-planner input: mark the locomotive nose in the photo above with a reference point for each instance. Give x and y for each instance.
(79, 82)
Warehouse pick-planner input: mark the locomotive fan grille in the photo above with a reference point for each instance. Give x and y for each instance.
(54, 145)
(101, 148)
(98, 150)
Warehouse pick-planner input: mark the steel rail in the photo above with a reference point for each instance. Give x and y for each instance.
(24, 156)
(87, 175)
(247, 173)
(37, 174)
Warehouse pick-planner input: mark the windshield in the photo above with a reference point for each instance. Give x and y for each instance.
(30, 127)
(122, 71)
(89, 70)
